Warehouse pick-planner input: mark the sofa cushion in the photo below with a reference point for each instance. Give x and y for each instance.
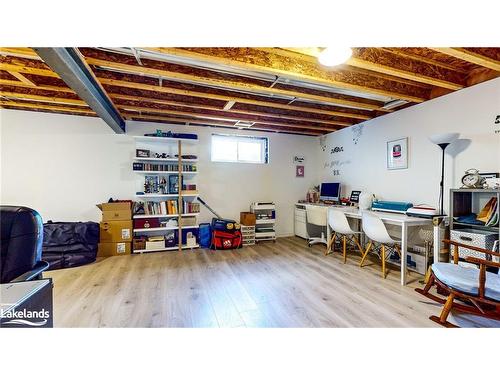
(466, 279)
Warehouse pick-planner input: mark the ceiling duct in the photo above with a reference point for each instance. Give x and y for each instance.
(394, 103)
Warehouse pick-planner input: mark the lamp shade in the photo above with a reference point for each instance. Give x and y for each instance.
(444, 138)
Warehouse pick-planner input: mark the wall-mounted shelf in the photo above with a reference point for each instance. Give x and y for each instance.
(142, 138)
(165, 172)
(167, 160)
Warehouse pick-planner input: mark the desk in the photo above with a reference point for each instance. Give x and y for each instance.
(400, 220)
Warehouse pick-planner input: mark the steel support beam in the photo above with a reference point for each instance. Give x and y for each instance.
(70, 65)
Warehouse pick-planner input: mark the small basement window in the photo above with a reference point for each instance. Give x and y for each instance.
(240, 149)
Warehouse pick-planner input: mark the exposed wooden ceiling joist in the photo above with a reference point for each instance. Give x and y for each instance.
(232, 110)
(28, 70)
(217, 124)
(41, 98)
(381, 60)
(20, 52)
(221, 118)
(211, 82)
(38, 86)
(45, 106)
(142, 86)
(472, 57)
(277, 89)
(265, 61)
(406, 54)
(23, 79)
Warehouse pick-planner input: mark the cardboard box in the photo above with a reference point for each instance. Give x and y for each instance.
(108, 249)
(116, 231)
(247, 218)
(116, 211)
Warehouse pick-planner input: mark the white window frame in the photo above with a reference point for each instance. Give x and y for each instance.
(264, 149)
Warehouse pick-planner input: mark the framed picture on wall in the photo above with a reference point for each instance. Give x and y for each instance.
(299, 171)
(397, 154)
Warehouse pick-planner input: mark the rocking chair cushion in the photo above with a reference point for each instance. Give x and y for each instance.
(466, 280)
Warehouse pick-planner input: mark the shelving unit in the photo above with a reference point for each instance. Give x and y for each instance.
(467, 201)
(266, 218)
(169, 146)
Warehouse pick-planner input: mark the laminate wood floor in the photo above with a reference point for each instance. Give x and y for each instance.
(282, 284)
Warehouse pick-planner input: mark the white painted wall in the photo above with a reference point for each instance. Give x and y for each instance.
(63, 165)
(471, 112)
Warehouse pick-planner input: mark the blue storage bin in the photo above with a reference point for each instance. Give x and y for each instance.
(205, 233)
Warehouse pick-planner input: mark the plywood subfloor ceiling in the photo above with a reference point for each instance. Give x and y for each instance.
(282, 90)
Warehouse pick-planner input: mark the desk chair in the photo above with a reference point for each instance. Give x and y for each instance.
(21, 244)
(317, 215)
(376, 232)
(340, 226)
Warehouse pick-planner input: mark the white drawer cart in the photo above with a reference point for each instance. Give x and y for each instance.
(265, 214)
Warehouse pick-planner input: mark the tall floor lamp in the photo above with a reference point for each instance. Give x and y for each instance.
(443, 141)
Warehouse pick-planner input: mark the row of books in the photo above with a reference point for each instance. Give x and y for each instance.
(163, 167)
(191, 207)
(170, 207)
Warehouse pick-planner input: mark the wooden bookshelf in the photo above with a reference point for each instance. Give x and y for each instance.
(173, 146)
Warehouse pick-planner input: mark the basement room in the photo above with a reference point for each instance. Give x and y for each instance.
(249, 187)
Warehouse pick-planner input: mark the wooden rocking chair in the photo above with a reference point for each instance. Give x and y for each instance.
(469, 290)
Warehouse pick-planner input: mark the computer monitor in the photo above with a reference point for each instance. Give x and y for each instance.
(330, 192)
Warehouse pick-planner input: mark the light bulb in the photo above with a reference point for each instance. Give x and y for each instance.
(332, 56)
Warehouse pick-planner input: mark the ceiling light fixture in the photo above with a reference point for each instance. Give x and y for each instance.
(332, 56)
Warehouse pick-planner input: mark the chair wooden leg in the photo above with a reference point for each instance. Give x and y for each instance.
(357, 244)
(383, 261)
(331, 244)
(443, 318)
(344, 247)
(368, 247)
(428, 285)
(447, 308)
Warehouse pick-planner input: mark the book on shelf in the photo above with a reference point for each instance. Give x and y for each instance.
(138, 166)
(168, 207)
(190, 207)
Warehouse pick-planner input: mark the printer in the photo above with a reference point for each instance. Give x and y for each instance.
(390, 206)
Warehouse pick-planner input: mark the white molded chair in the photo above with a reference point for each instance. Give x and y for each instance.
(316, 215)
(340, 226)
(376, 232)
